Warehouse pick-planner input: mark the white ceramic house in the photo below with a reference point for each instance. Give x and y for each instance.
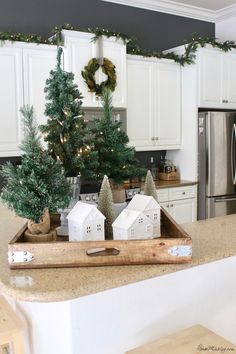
(85, 223)
(149, 207)
(131, 225)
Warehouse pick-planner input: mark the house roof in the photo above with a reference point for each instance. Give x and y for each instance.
(143, 203)
(82, 212)
(127, 218)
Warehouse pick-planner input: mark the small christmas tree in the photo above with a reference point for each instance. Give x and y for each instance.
(149, 186)
(66, 131)
(116, 159)
(106, 207)
(39, 182)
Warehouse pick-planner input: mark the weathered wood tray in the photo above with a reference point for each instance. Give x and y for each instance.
(174, 246)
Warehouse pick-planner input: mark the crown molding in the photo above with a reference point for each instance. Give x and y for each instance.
(225, 13)
(181, 9)
(170, 7)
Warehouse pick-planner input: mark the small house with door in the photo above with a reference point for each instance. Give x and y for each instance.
(86, 223)
(132, 225)
(150, 208)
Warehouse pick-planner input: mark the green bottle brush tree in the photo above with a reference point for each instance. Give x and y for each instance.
(37, 186)
(66, 133)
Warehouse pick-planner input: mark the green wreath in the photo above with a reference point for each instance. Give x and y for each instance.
(89, 75)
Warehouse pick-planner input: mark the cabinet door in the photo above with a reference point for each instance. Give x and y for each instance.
(167, 113)
(11, 98)
(210, 78)
(37, 63)
(140, 104)
(115, 51)
(79, 49)
(229, 80)
(183, 211)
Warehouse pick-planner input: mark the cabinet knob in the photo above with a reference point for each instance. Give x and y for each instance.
(183, 193)
(171, 205)
(153, 138)
(156, 138)
(167, 206)
(225, 101)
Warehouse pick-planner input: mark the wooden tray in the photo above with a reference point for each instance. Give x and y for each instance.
(174, 246)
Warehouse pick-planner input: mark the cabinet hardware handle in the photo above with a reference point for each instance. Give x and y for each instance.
(171, 205)
(183, 193)
(156, 138)
(153, 138)
(167, 206)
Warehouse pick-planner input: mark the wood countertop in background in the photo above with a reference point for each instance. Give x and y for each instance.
(213, 239)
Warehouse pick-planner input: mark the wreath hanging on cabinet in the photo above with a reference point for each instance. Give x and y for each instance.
(108, 69)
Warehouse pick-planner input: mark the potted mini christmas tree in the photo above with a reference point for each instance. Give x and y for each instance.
(37, 186)
(116, 159)
(66, 132)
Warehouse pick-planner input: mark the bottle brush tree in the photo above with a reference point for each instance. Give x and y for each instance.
(106, 207)
(66, 132)
(38, 184)
(116, 159)
(149, 186)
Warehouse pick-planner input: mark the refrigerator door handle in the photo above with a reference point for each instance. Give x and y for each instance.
(233, 164)
(223, 200)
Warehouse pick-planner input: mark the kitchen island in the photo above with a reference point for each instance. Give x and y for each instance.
(123, 307)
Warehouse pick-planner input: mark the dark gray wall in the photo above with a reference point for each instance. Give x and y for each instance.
(154, 30)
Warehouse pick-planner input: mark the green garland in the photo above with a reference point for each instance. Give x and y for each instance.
(132, 44)
(21, 37)
(89, 75)
(133, 48)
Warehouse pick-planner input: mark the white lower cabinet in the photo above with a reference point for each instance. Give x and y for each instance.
(179, 202)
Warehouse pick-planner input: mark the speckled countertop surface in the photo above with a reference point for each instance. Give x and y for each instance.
(168, 184)
(213, 239)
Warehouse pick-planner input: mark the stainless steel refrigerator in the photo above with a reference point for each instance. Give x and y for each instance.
(216, 164)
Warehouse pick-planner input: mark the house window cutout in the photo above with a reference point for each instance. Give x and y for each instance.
(140, 220)
(88, 229)
(147, 215)
(99, 227)
(155, 216)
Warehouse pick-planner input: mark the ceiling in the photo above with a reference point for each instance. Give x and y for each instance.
(204, 10)
(208, 4)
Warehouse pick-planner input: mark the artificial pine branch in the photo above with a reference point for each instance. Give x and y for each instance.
(39, 182)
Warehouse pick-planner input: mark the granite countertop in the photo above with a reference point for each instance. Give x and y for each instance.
(213, 239)
(178, 183)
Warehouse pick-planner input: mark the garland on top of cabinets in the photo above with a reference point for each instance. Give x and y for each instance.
(21, 37)
(132, 45)
(133, 48)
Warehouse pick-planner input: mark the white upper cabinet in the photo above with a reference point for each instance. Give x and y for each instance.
(11, 99)
(38, 61)
(24, 68)
(168, 96)
(217, 78)
(80, 48)
(140, 104)
(153, 104)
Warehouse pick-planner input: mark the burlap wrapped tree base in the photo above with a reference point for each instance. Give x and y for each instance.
(40, 232)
